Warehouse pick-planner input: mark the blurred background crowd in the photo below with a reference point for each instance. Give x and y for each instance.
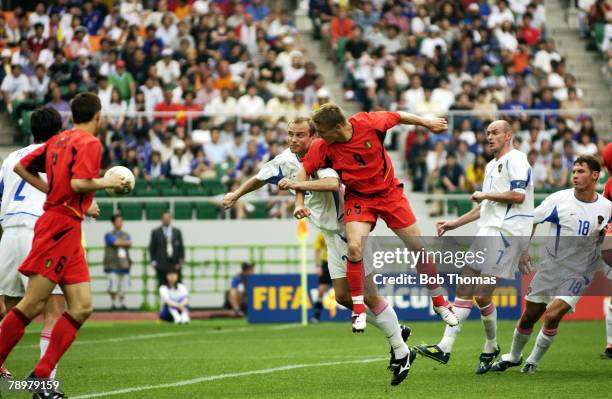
(202, 90)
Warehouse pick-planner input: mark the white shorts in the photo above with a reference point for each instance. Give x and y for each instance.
(501, 250)
(337, 251)
(15, 245)
(545, 288)
(117, 282)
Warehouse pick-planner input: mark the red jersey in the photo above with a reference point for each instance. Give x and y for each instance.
(72, 154)
(607, 192)
(362, 162)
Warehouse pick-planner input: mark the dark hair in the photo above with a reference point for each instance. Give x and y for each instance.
(84, 107)
(591, 161)
(115, 217)
(45, 122)
(247, 266)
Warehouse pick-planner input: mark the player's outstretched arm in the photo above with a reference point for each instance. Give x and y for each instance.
(230, 199)
(436, 125)
(508, 197)
(325, 184)
(114, 181)
(32, 179)
(445, 225)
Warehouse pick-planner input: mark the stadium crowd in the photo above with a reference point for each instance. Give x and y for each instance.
(224, 77)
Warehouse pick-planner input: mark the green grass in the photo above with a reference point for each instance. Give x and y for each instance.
(95, 364)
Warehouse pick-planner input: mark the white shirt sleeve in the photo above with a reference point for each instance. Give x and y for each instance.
(163, 294)
(271, 171)
(546, 211)
(327, 172)
(519, 174)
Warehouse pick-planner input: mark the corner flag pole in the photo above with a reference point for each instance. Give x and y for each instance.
(302, 235)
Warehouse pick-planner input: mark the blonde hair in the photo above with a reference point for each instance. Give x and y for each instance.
(303, 119)
(329, 115)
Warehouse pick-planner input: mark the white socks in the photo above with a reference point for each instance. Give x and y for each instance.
(462, 309)
(543, 342)
(519, 340)
(488, 315)
(45, 336)
(384, 318)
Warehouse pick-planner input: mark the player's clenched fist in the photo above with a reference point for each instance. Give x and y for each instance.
(286, 184)
(229, 200)
(443, 226)
(478, 196)
(301, 212)
(437, 125)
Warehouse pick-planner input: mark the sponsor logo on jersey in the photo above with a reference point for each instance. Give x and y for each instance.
(499, 167)
(48, 263)
(600, 219)
(368, 144)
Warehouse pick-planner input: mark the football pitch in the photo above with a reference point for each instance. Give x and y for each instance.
(232, 359)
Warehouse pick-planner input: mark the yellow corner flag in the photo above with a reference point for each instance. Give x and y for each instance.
(302, 235)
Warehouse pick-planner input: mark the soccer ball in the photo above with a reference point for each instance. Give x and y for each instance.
(125, 172)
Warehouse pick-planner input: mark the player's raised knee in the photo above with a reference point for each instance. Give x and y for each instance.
(354, 250)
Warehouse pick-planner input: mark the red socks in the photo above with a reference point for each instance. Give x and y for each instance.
(430, 270)
(62, 336)
(13, 328)
(355, 277)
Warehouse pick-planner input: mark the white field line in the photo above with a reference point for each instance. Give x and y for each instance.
(223, 376)
(168, 334)
(121, 339)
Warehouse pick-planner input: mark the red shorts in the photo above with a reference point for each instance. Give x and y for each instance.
(392, 206)
(57, 252)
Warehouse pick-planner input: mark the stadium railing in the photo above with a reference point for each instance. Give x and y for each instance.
(207, 269)
(191, 117)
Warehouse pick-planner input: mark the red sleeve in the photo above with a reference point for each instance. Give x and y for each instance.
(383, 120)
(35, 160)
(608, 189)
(315, 157)
(87, 159)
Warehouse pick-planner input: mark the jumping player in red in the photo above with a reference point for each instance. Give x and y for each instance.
(354, 148)
(607, 252)
(71, 161)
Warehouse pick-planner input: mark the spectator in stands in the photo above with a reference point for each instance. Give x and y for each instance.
(174, 299)
(222, 108)
(585, 145)
(539, 171)
(431, 43)
(258, 10)
(166, 249)
(252, 107)
(216, 152)
(117, 262)
(15, 87)
(237, 295)
(340, 27)
(557, 174)
(168, 70)
(156, 169)
(366, 16)
(474, 175)
(451, 180)
(250, 162)
(180, 161)
(39, 83)
(123, 81)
